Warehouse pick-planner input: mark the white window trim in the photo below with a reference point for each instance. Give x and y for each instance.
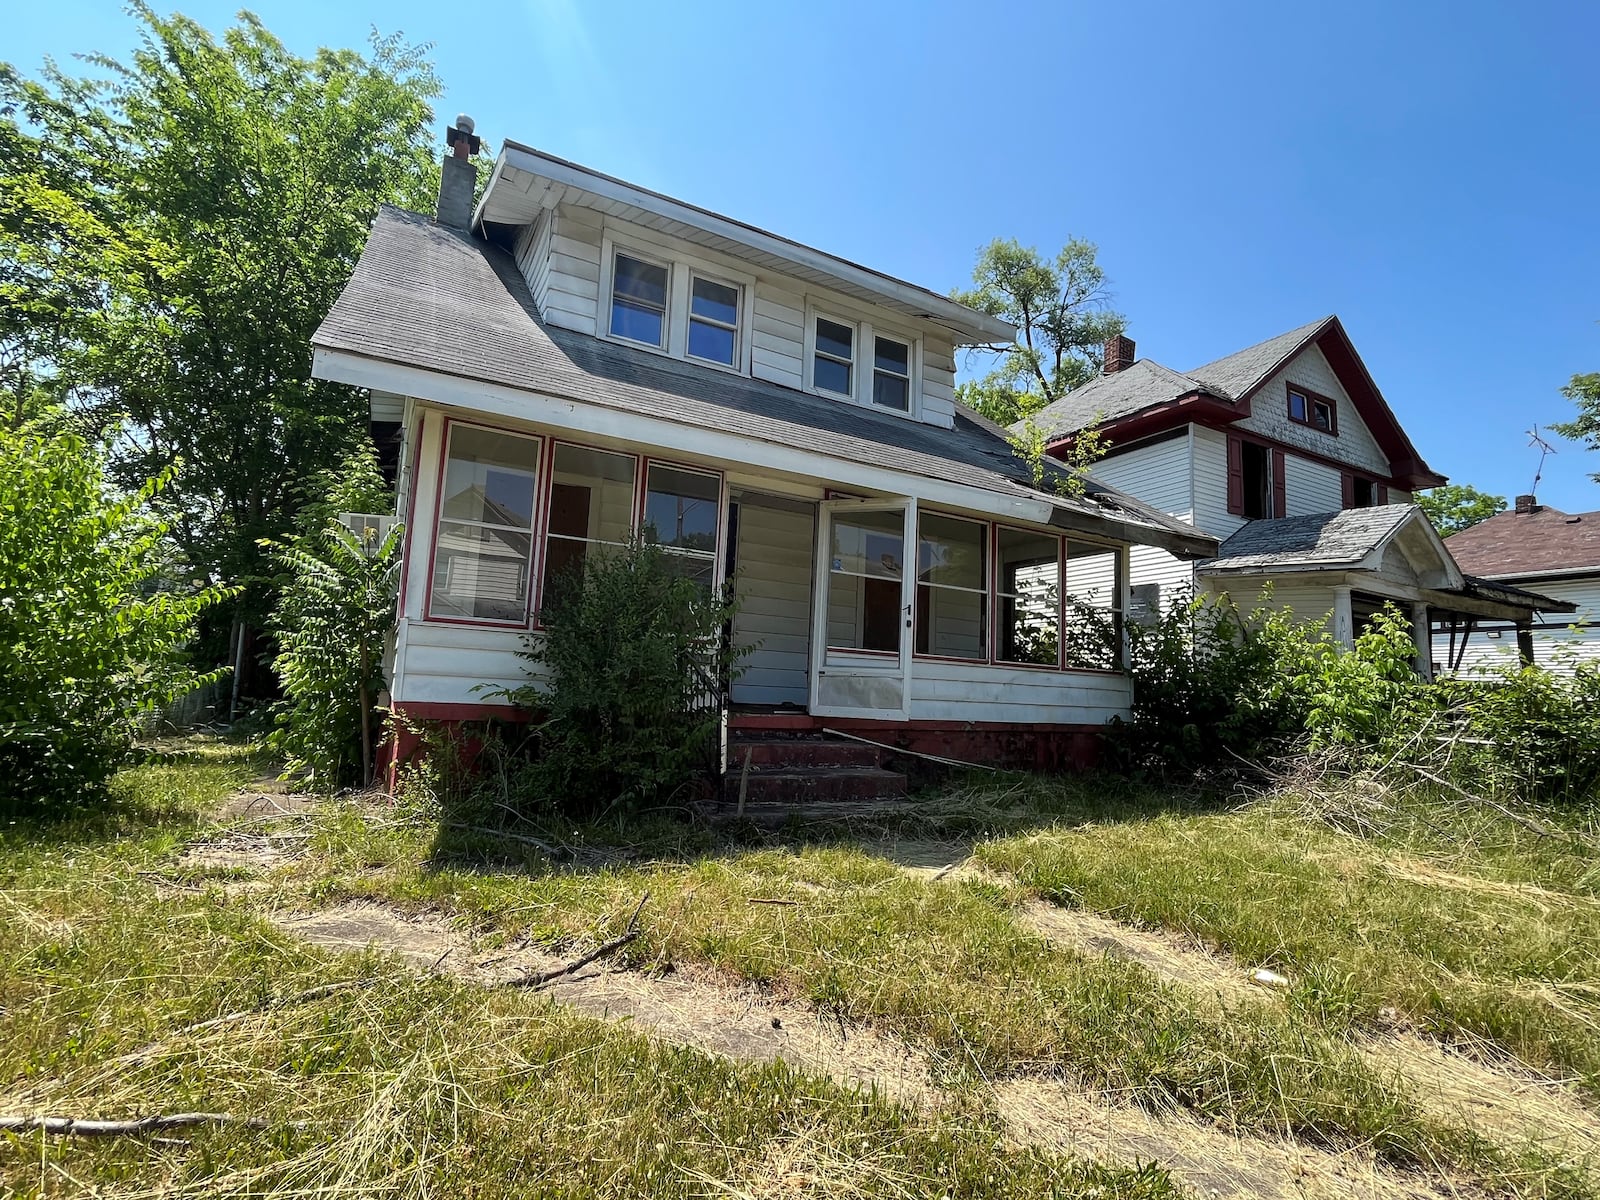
(742, 305)
(864, 364)
(681, 268)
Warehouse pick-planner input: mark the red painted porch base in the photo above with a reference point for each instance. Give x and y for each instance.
(403, 740)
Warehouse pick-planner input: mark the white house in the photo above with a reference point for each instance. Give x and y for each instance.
(578, 360)
(1538, 547)
(1288, 454)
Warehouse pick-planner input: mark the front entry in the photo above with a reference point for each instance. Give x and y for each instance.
(861, 642)
(773, 561)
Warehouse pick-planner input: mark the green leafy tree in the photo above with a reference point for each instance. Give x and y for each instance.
(94, 630)
(1061, 308)
(1454, 507)
(195, 212)
(1584, 391)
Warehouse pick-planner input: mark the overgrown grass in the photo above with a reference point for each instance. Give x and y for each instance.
(403, 1085)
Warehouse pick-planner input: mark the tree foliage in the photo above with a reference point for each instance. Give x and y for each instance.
(88, 644)
(182, 221)
(1584, 391)
(1061, 308)
(1454, 507)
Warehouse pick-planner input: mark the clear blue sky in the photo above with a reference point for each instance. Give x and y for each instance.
(1429, 171)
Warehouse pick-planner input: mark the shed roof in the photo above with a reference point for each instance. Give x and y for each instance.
(427, 296)
(1545, 542)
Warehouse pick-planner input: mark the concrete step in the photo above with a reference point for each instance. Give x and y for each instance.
(804, 785)
(795, 753)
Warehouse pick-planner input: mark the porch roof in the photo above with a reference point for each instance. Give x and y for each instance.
(429, 297)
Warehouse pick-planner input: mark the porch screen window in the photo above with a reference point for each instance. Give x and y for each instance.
(591, 511)
(639, 300)
(891, 374)
(713, 320)
(680, 515)
(866, 562)
(952, 587)
(483, 546)
(833, 362)
(1028, 590)
(1091, 631)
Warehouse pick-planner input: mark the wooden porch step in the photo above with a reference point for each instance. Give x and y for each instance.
(802, 786)
(768, 753)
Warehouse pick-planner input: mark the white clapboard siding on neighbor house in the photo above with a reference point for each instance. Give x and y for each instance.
(952, 691)
(1560, 644)
(1160, 474)
(773, 565)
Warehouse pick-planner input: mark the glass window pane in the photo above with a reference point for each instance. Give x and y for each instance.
(1029, 589)
(592, 494)
(830, 376)
(869, 544)
(489, 477)
(835, 339)
(640, 281)
(480, 573)
(890, 391)
(1092, 636)
(637, 324)
(1297, 406)
(863, 613)
(893, 356)
(950, 623)
(711, 342)
(681, 507)
(715, 301)
(951, 551)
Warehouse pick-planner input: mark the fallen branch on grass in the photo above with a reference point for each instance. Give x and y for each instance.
(771, 900)
(546, 847)
(138, 1127)
(599, 952)
(1538, 828)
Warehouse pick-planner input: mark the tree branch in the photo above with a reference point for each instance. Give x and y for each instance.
(599, 952)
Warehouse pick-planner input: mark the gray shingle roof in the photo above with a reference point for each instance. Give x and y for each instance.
(1322, 540)
(431, 297)
(1235, 374)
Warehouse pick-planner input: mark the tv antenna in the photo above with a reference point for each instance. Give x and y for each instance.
(1545, 451)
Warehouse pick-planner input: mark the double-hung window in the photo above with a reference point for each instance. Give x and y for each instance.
(713, 321)
(639, 300)
(833, 361)
(591, 510)
(952, 587)
(1028, 592)
(483, 547)
(891, 374)
(680, 516)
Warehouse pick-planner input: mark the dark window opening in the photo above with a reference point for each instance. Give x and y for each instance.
(1365, 493)
(1257, 462)
(880, 617)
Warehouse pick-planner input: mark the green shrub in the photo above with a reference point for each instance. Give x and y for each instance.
(1526, 732)
(93, 628)
(629, 672)
(1368, 695)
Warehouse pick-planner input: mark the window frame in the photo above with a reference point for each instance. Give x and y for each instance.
(1061, 582)
(740, 303)
(1121, 572)
(535, 549)
(1312, 399)
(814, 352)
(642, 499)
(682, 269)
(864, 365)
(987, 591)
(909, 377)
(609, 296)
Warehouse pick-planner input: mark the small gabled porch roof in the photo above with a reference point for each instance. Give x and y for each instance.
(434, 313)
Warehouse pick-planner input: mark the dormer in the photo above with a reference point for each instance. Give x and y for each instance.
(627, 265)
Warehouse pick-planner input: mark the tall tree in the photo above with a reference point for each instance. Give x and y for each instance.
(1453, 507)
(1061, 308)
(1584, 391)
(229, 185)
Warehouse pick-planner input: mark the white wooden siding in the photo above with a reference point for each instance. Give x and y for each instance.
(1159, 473)
(1311, 487)
(1559, 645)
(779, 336)
(1269, 415)
(950, 691)
(571, 295)
(1211, 513)
(938, 381)
(1303, 602)
(773, 568)
(457, 664)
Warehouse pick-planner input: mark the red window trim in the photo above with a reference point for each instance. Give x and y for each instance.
(1311, 398)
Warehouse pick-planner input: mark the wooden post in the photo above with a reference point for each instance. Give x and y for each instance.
(1525, 643)
(1344, 622)
(1422, 634)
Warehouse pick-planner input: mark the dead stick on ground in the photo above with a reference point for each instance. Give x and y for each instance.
(79, 1127)
(771, 900)
(599, 952)
(1528, 823)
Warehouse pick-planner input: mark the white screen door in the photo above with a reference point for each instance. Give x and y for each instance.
(861, 658)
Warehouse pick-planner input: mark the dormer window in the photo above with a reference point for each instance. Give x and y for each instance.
(891, 374)
(639, 301)
(1308, 408)
(834, 361)
(713, 321)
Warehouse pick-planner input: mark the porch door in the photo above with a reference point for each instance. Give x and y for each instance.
(865, 592)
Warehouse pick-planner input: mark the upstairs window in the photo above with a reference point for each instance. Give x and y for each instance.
(833, 363)
(1307, 408)
(639, 301)
(713, 321)
(891, 374)
(1257, 485)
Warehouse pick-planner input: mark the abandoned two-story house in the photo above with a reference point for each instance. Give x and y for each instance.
(575, 361)
(1288, 454)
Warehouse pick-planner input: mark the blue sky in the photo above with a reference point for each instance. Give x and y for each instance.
(1426, 170)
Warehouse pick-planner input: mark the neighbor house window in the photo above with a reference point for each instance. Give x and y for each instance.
(891, 374)
(952, 587)
(833, 361)
(713, 320)
(639, 300)
(680, 516)
(1028, 589)
(483, 545)
(1307, 408)
(591, 510)
(1091, 630)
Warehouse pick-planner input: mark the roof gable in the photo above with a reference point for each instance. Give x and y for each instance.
(1350, 539)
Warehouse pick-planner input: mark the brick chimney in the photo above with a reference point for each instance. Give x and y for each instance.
(458, 178)
(1119, 354)
(1527, 504)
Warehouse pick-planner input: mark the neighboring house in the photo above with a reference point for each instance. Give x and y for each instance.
(1289, 454)
(1539, 547)
(577, 361)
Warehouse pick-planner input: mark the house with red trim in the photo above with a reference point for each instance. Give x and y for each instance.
(1290, 456)
(571, 360)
